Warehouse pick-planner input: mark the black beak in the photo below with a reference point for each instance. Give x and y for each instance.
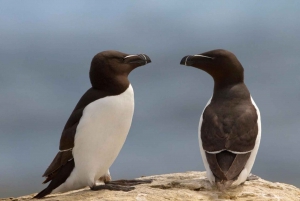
(190, 60)
(186, 60)
(141, 59)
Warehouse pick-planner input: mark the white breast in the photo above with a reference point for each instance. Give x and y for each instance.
(100, 135)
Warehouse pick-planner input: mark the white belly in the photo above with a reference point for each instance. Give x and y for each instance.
(100, 135)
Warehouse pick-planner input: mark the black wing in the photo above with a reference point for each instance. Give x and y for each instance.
(229, 130)
(69, 131)
(234, 130)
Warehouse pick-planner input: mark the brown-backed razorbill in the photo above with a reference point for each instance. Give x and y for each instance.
(230, 125)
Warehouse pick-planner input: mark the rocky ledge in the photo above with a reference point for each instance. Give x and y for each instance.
(182, 186)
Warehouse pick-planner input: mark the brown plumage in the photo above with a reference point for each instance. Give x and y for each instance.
(229, 123)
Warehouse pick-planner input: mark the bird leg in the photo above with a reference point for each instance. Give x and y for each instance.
(105, 178)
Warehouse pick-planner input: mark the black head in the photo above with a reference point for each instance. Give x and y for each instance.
(222, 65)
(110, 69)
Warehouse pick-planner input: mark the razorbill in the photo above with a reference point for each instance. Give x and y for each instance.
(97, 128)
(230, 126)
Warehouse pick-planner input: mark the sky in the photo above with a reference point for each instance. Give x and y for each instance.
(45, 54)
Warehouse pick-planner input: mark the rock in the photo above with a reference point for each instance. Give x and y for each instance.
(189, 186)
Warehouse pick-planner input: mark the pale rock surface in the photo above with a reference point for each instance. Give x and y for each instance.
(188, 186)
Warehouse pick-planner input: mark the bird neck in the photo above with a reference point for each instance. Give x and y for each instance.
(231, 91)
(113, 86)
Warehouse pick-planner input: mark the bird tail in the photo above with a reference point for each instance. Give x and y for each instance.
(59, 178)
(43, 193)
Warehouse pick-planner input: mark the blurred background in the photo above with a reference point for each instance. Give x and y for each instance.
(45, 54)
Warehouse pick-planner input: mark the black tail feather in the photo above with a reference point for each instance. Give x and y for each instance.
(62, 175)
(43, 193)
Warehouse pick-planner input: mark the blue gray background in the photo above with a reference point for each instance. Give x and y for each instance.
(45, 53)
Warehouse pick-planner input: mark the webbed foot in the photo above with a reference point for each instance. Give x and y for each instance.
(133, 182)
(112, 188)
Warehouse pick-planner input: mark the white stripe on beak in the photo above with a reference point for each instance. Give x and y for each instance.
(186, 60)
(132, 55)
(199, 55)
(145, 58)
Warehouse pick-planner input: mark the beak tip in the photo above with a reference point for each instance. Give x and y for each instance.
(145, 57)
(184, 60)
